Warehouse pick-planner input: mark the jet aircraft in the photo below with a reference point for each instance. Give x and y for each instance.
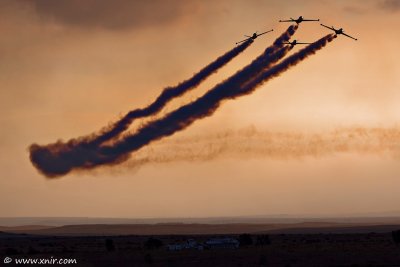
(298, 20)
(294, 42)
(338, 31)
(254, 36)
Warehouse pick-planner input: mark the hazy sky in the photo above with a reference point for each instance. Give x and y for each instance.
(68, 68)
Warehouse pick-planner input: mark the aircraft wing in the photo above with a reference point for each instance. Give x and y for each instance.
(289, 20)
(243, 41)
(264, 32)
(350, 36)
(327, 27)
(310, 19)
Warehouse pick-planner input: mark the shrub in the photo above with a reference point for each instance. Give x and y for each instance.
(396, 236)
(245, 240)
(148, 259)
(11, 251)
(153, 243)
(263, 260)
(32, 250)
(263, 240)
(110, 245)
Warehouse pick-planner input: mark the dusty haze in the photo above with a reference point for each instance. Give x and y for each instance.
(69, 69)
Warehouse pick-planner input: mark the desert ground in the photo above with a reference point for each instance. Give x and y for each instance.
(306, 244)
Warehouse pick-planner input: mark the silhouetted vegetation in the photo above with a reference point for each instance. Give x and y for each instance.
(263, 260)
(148, 259)
(263, 240)
(153, 243)
(245, 240)
(11, 251)
(32, 250)
(292, 250)
(396, 236)
(110, 245)
(66, 249)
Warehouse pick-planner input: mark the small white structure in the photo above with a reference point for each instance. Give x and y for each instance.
(226, 242)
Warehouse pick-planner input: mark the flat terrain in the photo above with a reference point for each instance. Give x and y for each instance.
(296, 249)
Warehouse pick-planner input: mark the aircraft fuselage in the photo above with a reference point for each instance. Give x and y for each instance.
(299, 20)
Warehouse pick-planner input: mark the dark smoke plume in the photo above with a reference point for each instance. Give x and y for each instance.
(286, 64)
(91, 142)
(59, 159)
(164, 98)
(173, 92)
(202, 107)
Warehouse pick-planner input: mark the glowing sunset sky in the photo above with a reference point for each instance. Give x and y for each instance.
(68, 68)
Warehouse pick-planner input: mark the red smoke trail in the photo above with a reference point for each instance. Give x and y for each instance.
(252, 143)
(59, 159)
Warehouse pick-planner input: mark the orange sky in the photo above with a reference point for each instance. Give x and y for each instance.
(67, 68)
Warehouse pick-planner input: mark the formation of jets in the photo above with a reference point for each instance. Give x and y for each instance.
(297, 21)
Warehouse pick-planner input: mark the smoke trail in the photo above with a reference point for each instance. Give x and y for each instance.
(285, 65)
(170, 93)
(252, 143)
(204, 106)
(166, 96)
(59, 159)
(160, 102)
(270, 56)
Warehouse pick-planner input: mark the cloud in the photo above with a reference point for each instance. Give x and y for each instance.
(112, 15)
(390, 5)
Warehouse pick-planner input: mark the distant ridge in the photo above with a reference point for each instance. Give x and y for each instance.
(378, 218)
(24, 228)
(202, 229)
